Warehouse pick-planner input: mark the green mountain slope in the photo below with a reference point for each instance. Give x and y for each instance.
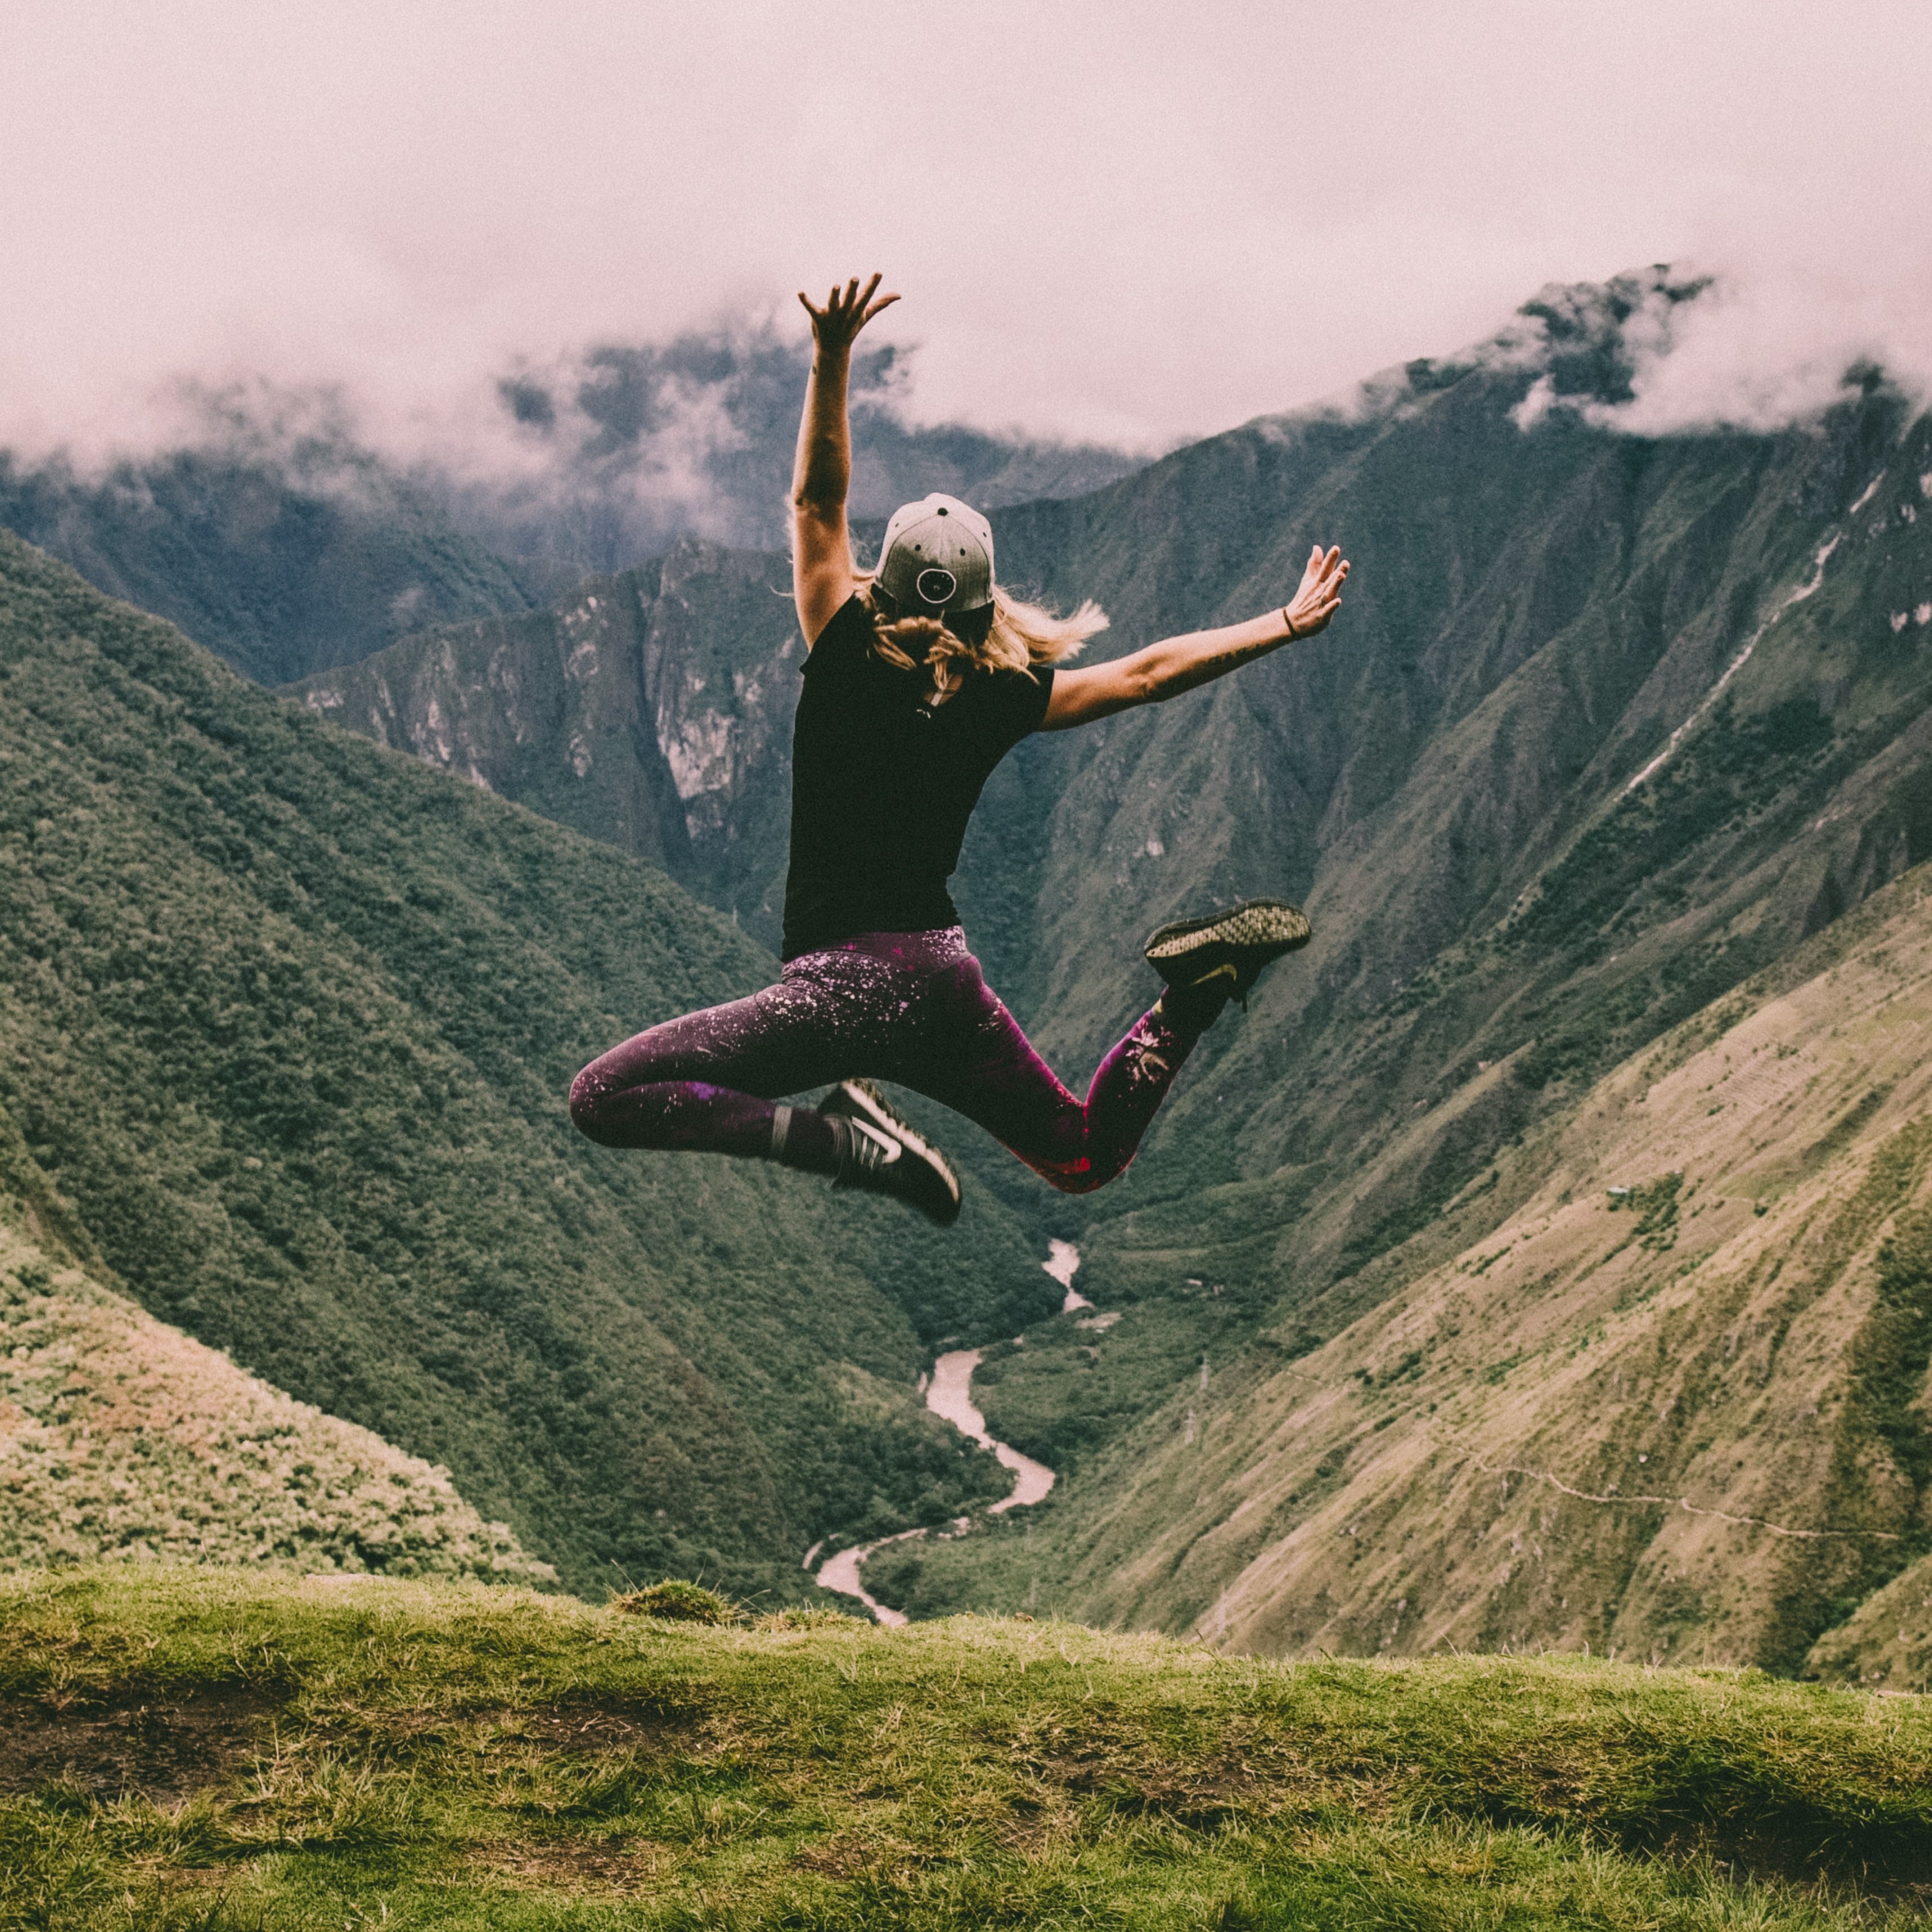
(291, 1018)
(1672, 1403)
(1887, 1642)
(122, 1440)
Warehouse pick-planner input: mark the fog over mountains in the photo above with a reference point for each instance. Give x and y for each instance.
(1615, 732)
(275, 533)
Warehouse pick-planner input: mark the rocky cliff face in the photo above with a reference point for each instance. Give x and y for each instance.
(652, 709)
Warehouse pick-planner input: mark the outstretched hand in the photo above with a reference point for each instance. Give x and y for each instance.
(1320, 595)
(845, 312)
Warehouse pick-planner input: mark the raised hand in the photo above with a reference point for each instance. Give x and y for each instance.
(845, 312)
(1320, 595)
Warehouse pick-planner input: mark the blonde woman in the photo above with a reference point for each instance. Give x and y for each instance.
(918, 678)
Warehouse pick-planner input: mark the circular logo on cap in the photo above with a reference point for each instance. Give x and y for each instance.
(934, 586)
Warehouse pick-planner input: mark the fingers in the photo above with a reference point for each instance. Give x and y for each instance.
(849, 308)
(1320, 595)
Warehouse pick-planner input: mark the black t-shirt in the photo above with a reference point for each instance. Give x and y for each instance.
(882, 783)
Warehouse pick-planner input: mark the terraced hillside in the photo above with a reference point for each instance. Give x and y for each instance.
(1657, 1386)
(289, 1019)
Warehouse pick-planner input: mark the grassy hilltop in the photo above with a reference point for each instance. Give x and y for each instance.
(211, 1752)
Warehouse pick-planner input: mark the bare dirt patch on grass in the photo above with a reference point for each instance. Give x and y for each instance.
(166, 1746)
(606, 1868)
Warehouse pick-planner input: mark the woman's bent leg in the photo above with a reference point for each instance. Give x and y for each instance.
(708, 1080)
(996, 1079)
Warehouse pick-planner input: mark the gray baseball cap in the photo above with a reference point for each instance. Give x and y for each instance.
(937, 556)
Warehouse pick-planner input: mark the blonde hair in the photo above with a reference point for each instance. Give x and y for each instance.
(1022, 635)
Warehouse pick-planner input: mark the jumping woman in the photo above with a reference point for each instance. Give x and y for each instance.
(919, 678)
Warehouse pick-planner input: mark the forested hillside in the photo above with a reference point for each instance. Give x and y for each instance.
(290, 1020)
(122, 1441)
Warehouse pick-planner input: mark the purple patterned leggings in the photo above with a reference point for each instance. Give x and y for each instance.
(910, 1007)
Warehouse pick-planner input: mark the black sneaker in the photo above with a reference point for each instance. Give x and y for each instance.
(1234, 945)
(881, 1153)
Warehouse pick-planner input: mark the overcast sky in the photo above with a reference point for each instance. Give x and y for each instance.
(1128, 220)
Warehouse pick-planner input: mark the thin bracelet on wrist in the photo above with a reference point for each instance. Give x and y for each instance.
(1293, 635)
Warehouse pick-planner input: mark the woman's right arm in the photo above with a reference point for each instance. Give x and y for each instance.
(821, 550)
(1176, 664)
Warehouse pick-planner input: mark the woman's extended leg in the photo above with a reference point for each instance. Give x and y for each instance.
(708, 1080)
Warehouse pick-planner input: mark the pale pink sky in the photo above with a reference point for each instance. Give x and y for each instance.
(1131, 220)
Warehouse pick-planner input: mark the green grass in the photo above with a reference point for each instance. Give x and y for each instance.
(412, 1754)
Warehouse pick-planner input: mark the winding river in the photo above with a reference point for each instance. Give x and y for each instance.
(950, 1396)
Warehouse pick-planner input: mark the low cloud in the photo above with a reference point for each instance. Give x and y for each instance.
(1128, 224)
(591, 460)
(1688, 351)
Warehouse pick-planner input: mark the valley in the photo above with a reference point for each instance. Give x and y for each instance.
(1608, 788)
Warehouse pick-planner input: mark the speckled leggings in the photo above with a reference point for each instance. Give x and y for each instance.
(910, 1007)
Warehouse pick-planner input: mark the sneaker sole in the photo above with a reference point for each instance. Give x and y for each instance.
(1265, 922)
(865, 1100)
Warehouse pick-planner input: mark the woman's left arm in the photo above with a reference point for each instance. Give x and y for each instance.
(1176, 664)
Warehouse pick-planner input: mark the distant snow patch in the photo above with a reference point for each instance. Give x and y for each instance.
(1869, 491)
